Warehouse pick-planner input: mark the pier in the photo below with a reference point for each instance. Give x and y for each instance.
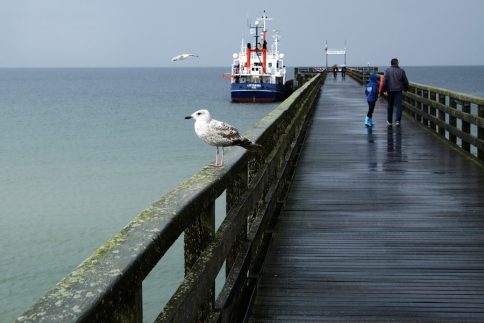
(332, 221)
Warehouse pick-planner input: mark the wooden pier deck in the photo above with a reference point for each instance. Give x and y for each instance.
(384, 224)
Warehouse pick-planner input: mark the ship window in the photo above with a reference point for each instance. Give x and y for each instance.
(270, 64)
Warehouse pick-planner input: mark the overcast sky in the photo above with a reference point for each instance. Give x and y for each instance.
(148, 33)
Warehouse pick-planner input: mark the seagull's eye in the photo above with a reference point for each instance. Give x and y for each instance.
(199, 113)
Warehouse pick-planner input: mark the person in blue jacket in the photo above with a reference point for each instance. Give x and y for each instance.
(371, 91)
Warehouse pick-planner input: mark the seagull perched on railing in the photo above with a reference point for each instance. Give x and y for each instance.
(219, 134)
(182, 57)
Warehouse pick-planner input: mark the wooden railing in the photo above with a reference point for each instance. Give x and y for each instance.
(107, 287)
(303, 74)
(361, 74)
(456, 117)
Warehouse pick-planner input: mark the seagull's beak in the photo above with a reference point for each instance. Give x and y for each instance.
(188, 117)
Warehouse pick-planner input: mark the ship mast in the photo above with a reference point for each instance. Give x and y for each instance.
(264, 42)
(258, 48)
(264, 30)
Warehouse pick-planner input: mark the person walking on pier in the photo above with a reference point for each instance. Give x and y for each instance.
(395, 81)
(371, 92)
(335, 71)
(343, 71)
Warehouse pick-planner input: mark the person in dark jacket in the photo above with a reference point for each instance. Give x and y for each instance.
(335, 71)
(371, 91)
(395, 81)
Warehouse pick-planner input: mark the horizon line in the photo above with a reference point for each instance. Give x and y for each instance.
(128, 67)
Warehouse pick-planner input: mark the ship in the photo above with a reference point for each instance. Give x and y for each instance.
(258, 73)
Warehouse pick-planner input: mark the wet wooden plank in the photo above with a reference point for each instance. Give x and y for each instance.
(379, 225)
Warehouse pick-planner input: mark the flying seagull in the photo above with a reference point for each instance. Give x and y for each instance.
(182, 57)
(219, 134)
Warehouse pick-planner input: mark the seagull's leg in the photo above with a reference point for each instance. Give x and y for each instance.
(222, 162)
(217, 163)
(216, 158)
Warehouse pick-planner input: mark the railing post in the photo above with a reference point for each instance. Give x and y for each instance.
(419, 105)
(442, 114)
(233, 194)
(466, 126)
(197, 237)
(452, 119)
(480, 132)
(425, 108)
(415, 103)
(132, 308)
(433, 98)
(124, 305)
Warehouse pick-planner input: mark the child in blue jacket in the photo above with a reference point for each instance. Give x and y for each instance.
(371, 91)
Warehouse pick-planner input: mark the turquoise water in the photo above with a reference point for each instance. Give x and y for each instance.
(82, 151)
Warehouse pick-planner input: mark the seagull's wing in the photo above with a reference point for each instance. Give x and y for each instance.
(226, 131)
(182, 57)
(228, 135)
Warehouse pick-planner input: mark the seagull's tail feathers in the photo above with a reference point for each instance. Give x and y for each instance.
(249, 145)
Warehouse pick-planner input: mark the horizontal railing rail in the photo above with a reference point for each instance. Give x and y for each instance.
(107, 287)
(313, 70)
(456, 117)
(304, 74)
(361, 74)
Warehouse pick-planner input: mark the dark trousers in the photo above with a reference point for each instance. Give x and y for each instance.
(371, 107)
(394, 98)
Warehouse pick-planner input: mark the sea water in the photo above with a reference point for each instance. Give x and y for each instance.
(82, 151)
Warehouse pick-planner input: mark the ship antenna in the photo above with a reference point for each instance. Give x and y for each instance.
(276, 38)
(264, 20)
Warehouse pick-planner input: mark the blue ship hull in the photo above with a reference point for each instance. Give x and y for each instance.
(257, 92)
